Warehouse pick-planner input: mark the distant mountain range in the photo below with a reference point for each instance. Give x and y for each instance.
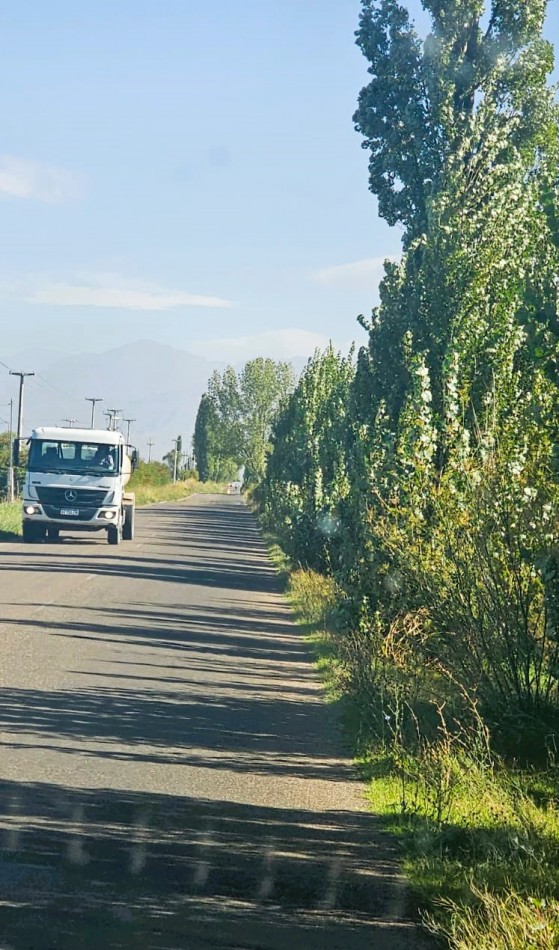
(157, 386)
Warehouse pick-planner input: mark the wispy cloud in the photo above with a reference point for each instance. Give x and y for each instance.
(277, 344)
(114, 292)
(23, 178)
(358, 275)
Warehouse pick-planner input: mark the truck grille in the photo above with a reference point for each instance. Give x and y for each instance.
(79, 497)
(83, 514)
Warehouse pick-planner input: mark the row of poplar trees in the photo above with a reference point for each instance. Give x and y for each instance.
(234, 419)
(423, 476)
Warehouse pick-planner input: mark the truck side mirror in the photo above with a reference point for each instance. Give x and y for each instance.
(16, 452)
(134, 458)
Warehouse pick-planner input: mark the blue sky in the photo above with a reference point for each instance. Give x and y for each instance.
(187, 173)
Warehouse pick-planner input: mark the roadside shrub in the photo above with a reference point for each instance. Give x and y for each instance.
(480, 574)
(150, 473)
(514, 922)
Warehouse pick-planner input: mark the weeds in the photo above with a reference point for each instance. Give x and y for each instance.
(315, 596)
(10, 519)
(480, 837)
(152, 494)
(510, 922)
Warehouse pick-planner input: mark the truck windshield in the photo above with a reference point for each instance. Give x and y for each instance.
(85, 458)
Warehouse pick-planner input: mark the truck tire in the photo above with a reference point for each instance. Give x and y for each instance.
(32, 532)
(128, 526)
(29, 533)
(114, 534)
(53, 534)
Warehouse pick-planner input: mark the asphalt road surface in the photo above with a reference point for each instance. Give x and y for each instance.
(169, 774)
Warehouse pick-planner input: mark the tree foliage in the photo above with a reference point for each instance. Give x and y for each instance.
(150, 473)
(421, 106)
(306, 478)
(202, 439)
(235, 417)
(438, 458)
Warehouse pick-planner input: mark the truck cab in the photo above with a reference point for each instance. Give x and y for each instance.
(75, 482)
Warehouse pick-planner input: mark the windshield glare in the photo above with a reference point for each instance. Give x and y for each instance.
(73, 457)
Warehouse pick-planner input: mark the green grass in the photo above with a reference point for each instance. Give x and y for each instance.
(479, 838)
(152, 494)
(278, 557)
(488, 872)
(10, 520)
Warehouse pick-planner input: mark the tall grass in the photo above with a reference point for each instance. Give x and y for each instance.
(10, 519)
(479, 836)
(152, 494)
(510, 923)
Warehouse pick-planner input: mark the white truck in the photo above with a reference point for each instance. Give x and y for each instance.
(75, 481)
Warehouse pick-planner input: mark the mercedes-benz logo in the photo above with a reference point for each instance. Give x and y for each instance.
(71, 495)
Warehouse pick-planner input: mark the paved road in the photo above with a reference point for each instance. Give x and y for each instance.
(169, 776)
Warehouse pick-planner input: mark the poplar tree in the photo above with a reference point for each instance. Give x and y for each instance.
(202, 439)
(455, 403)
(462, 134)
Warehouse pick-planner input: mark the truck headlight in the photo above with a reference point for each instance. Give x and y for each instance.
(109, 515)
(31, 510)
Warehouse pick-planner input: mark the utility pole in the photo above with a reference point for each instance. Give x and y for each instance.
(11, 462)
(128, 422)
(93, 400)
(176, 441)
(150, 443)
(112, 414)
(10, 472)
(20, 407)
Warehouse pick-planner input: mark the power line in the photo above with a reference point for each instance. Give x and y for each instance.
(61, 392)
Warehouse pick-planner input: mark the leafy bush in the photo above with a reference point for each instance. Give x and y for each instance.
(150, 473)
(434, 463)
(513, 922)
(10, 518)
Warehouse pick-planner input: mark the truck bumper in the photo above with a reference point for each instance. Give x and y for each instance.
(47, 516)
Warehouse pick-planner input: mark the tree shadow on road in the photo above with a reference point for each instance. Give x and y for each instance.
(98, 867)
(185, 684)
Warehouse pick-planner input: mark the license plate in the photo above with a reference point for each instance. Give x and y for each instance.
(70, 511)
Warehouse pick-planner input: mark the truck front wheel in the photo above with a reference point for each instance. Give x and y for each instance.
(32, 532)
(128, 526)
(114, 534)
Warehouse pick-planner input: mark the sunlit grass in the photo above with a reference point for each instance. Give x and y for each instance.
(152, 494)
(487, 873)
(10, 519)
(510, 922)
